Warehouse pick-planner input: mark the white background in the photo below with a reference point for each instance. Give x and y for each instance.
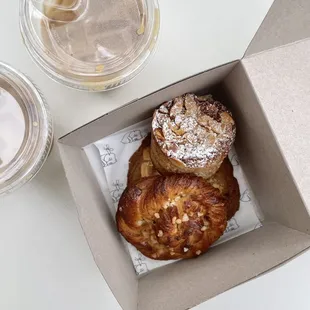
(45, 263)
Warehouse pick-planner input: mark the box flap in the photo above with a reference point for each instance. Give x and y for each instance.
(257, 143)
(286, 22)
(108, 252)
(280, 78)
(181, 285)
(142, 108)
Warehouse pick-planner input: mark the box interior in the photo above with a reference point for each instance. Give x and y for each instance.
(261, 156)
(281, 80)
(189, 282)
(109, 159)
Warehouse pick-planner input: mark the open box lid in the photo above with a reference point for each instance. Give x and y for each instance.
(286, 22)
(277, 65)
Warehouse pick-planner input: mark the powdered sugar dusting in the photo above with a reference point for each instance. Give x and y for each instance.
(194, 130)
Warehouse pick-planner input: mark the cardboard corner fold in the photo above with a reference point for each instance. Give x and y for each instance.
(97, 221)
(225, 266)
(286, 22)
(267, 171)
(280, 78)
(115, 120)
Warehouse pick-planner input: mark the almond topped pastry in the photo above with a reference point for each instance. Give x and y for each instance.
(191, 134)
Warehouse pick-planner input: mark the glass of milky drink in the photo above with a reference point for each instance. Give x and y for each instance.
(91, 45)
(25, 130)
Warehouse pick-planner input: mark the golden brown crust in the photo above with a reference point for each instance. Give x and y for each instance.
(228, 185)
(191, 134)
(171, 217)
(140, 165)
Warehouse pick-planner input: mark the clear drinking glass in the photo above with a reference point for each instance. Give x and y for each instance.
(26, 131)
(91, 45)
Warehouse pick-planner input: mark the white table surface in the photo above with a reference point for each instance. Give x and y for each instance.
(45, 262)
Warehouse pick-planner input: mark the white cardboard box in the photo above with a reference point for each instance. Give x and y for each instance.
(268, 94)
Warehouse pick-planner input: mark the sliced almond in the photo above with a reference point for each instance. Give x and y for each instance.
(146, 154)
(146, 170)
(185, 218)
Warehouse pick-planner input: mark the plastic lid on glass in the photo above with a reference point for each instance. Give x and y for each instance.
(25, 130)
(90, 44)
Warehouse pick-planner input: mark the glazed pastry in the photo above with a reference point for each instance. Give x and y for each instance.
(140, 163)
(171, 217)
(191, 134)
(141, 166)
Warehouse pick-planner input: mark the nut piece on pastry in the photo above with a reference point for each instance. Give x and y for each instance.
(191, 134)
(171, 217)
(140, 163)
(141, 166)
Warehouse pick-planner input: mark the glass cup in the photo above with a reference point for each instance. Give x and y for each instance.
(26, 131)
(91, 45)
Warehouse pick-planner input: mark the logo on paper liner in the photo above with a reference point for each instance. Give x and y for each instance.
(116, 193)
(232, 225)
(245, 197)
(133, 136)
(140, 265)
(108, 158)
